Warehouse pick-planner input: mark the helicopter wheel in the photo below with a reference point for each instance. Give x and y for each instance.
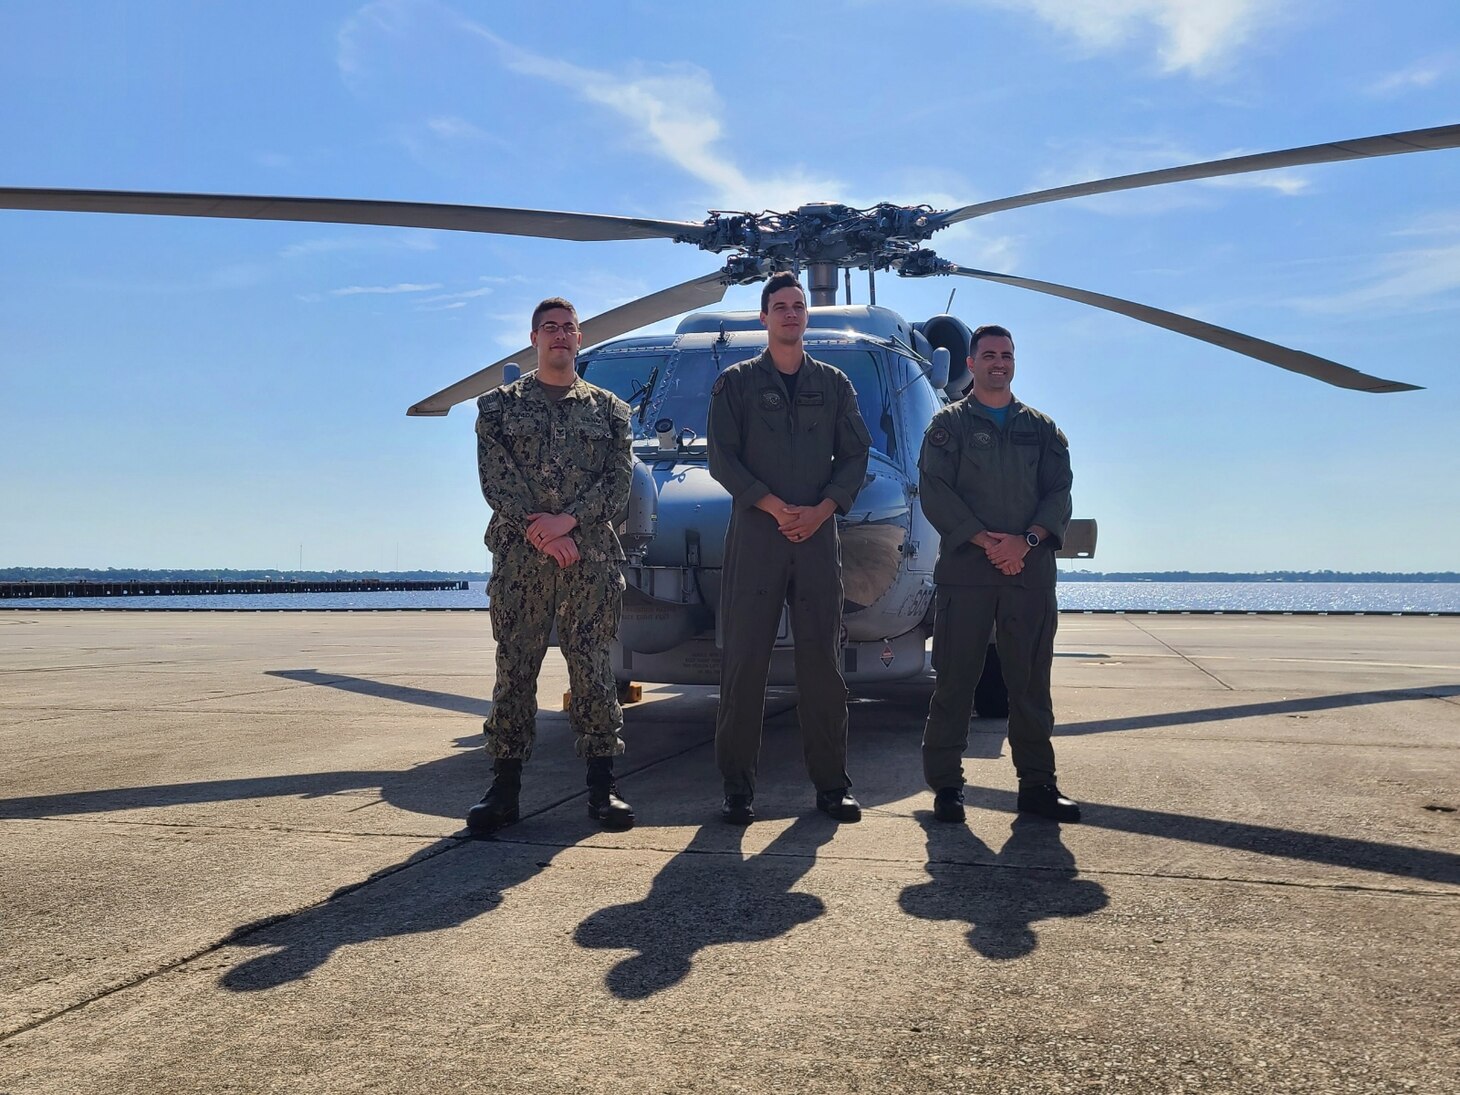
(991, 697)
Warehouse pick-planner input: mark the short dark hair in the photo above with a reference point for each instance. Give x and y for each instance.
(991, 330)
(548, 305)
(774, 284)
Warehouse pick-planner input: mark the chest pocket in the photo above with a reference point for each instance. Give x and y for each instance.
(771, 412)
(978, 452)
(810, 410)
(588, 443)
(524, 439)
(1026, 446)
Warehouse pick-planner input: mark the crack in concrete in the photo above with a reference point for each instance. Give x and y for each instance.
(1180, 655)
(1083, 872)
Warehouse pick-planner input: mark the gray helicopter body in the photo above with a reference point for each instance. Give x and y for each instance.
(674, 530)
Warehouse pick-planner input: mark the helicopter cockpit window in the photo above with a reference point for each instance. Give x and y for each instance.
(678, 387)
(874, 398)
(634, 378)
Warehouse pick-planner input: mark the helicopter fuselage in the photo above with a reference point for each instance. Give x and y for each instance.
(674, 531)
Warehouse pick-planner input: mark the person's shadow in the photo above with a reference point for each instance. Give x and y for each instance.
(707, 895)
(1002, 896)
(404, 899)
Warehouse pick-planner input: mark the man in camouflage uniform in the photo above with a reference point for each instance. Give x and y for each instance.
(995, 482)
(555, 464)
(787, 441)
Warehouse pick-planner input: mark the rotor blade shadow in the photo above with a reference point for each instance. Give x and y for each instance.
(1255, 710)
(1335, 851)
(424, 697)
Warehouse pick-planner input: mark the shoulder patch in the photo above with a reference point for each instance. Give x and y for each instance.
(719, 385)
(937, 437)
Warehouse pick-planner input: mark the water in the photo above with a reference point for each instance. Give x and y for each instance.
(1377, 597)
(1261, 596)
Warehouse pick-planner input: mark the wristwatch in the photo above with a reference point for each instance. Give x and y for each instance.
(1032, 539)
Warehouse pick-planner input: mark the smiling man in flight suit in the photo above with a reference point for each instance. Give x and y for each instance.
(553, 453)
(788, 443)
(995, 482)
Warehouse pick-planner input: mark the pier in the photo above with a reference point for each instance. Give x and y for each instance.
(156, 588)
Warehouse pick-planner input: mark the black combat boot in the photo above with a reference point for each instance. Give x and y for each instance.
(498, 807)
(603, 802)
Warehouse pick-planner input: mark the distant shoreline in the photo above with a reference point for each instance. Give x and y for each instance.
(84, 574)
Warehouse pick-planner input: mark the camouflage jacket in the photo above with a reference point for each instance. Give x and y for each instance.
(976, 477)
(537, 455)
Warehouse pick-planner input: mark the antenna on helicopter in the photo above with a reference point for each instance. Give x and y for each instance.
(948, 311)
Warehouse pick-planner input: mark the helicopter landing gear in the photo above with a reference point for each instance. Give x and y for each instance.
(991, 697)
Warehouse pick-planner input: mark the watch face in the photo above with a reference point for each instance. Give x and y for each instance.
(1031, 539)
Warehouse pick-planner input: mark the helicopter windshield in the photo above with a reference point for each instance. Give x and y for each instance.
(676, 385)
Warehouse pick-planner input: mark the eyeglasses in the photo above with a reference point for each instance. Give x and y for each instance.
(551, 328)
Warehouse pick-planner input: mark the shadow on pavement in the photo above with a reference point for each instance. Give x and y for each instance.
(362, 686)
(1297, 706)
(1335, 851)
(708, 895)
(412, 903)
(1002, 896)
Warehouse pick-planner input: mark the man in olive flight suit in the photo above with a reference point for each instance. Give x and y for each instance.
(995, 482)
(787, 441)
(555, 465)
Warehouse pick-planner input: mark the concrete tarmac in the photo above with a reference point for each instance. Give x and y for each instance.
(234, 861)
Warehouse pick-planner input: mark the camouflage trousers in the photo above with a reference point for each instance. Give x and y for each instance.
(528, 592)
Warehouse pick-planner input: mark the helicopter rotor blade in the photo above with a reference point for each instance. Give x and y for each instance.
(543, 223)
(685, 297)
(1296, 361)
(1388, 144)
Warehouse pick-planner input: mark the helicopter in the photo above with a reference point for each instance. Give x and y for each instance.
(903, 372)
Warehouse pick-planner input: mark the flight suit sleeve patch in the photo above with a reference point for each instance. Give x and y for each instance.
(938, 437)
(719, 385)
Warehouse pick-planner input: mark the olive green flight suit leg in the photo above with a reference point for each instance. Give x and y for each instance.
(590, 603)
(762, 569)
(816, 621)
(752, 590)
(1027, 619)
(964, 617)
(523, 598)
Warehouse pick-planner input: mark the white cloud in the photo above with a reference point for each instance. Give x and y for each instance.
(412, 241)
(676, 110)
(1199, 36)
(465, 295)
(1409, 281)
(1420, 75)
(403, 287)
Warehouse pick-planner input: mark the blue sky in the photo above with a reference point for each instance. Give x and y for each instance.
(189, 393)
